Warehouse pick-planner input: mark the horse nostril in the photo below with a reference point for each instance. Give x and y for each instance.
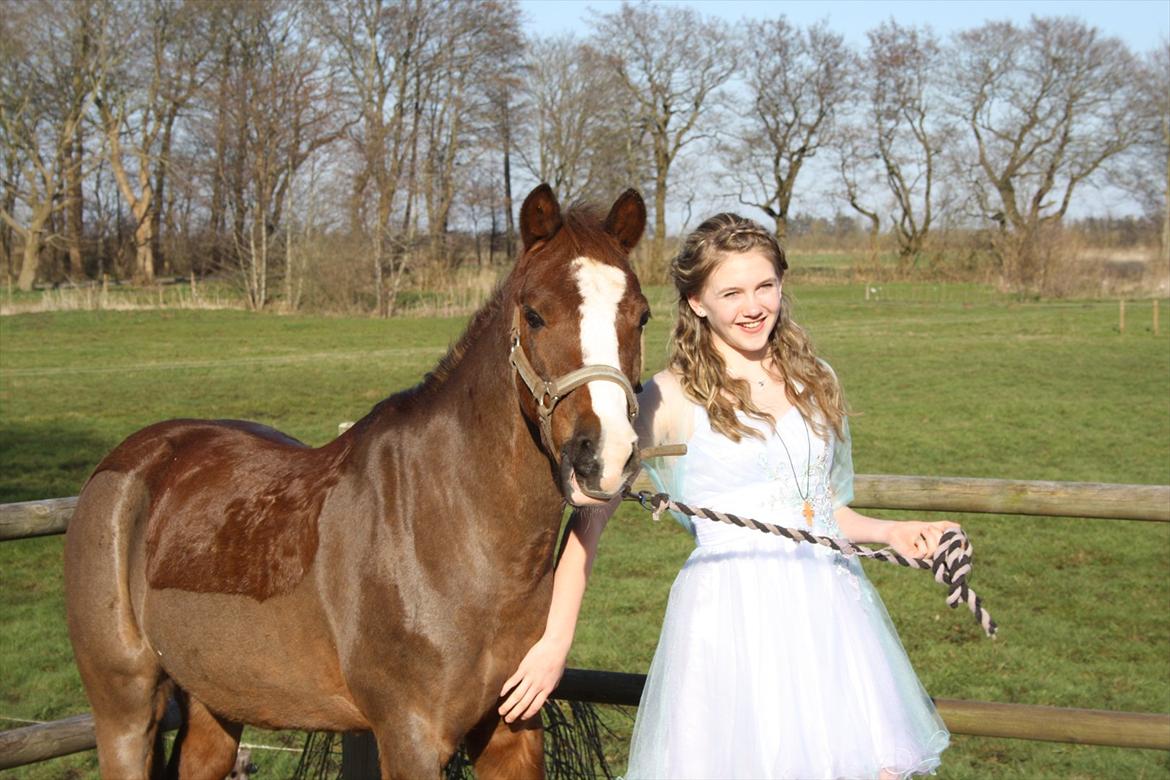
(585, 444)
(584, 459)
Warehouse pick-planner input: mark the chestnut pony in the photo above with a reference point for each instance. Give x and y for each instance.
(390, 580)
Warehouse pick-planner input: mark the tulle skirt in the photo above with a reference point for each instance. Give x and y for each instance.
(778, 660)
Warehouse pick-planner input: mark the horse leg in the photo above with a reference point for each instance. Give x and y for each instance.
(507, 751)
(410, 748)
(127, 711)
(206, 745)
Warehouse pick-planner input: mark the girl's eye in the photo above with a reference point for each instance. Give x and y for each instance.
(534, 320)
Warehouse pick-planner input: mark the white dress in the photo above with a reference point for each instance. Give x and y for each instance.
(776, 659)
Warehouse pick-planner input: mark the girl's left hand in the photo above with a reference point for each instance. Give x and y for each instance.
(916, 539)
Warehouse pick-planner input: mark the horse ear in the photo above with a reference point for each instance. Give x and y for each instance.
(627, 218)
(540, 216)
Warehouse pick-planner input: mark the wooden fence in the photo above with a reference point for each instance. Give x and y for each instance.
(990, 719)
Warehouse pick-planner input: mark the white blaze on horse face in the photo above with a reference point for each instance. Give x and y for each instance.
(602, 287)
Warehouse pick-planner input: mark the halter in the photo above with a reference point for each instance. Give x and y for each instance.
(548, 393)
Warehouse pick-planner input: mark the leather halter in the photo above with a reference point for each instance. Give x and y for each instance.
(549, 392)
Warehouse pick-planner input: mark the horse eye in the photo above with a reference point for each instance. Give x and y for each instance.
(645, 318)
(534, 319)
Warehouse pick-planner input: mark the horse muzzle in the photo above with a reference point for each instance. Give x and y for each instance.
(581, 473)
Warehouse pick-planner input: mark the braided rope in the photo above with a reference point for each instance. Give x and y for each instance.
(950, 564)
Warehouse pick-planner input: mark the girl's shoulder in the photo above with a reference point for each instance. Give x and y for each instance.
(666, 415)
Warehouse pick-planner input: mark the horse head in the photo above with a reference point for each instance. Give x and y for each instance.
(578, 314)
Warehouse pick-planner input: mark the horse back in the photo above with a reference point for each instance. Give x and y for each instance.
(233, 506)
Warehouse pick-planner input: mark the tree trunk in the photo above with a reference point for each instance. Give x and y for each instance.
(73, 215)
(875, 229)
(658, 245)
(7, 245)
(157, 215)
(32, 246)
(1166, 202)
(781, 231)
(379, 284)
(32, 258)
(509, 224)
(143, 240)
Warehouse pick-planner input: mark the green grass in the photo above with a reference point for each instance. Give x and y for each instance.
(966, 383)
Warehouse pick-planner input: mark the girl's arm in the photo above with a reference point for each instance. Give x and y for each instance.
(541, 669)
(662, 409)
(911, 538)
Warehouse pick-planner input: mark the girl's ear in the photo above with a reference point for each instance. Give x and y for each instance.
(696, 307)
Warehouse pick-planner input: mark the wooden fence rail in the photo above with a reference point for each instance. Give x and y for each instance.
(977, 718)
(873, 491)
(41, 742)
(44, 741)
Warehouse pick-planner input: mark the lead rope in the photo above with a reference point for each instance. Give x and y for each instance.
(951, 562)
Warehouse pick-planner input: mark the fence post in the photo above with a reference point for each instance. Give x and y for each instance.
(359, 756)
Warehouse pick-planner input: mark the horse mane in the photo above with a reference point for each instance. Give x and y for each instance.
(581, 231)
(447, 364)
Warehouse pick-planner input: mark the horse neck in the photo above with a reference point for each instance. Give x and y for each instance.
(476, 405)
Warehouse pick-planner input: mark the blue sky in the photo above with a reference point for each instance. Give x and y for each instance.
(1141, 23)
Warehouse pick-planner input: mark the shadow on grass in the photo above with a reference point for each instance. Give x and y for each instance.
(44, 460)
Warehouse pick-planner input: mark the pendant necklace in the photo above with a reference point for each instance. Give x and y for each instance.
(806, 496)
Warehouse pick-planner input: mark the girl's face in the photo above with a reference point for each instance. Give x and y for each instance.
(741, 301)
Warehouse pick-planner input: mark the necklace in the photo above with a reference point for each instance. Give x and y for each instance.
(805, 497)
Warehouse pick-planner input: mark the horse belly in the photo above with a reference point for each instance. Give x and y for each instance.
(269, 663)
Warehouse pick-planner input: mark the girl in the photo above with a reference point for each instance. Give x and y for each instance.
(776, 659)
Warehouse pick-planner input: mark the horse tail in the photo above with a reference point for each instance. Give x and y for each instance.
(122, 673)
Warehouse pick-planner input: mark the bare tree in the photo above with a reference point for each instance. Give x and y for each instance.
(11, 175)
(573, 135)
(505, 104)
(378, 45)
(281, 110)
(1145, 174)
(1048, 106)
(797, 79)
(161, 72)
(74, 162)
(467, 59)
(51, 68)
(671, 62)
(908, 128)
(1157, 88)
(860, 179)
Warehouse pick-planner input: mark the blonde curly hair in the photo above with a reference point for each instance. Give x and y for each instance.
(700, 368)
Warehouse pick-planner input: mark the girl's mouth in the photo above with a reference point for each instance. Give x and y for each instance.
(752, 327)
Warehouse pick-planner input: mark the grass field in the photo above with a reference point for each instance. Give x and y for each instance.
(960, 383)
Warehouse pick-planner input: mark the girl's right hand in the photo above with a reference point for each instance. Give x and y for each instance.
(534, 680)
